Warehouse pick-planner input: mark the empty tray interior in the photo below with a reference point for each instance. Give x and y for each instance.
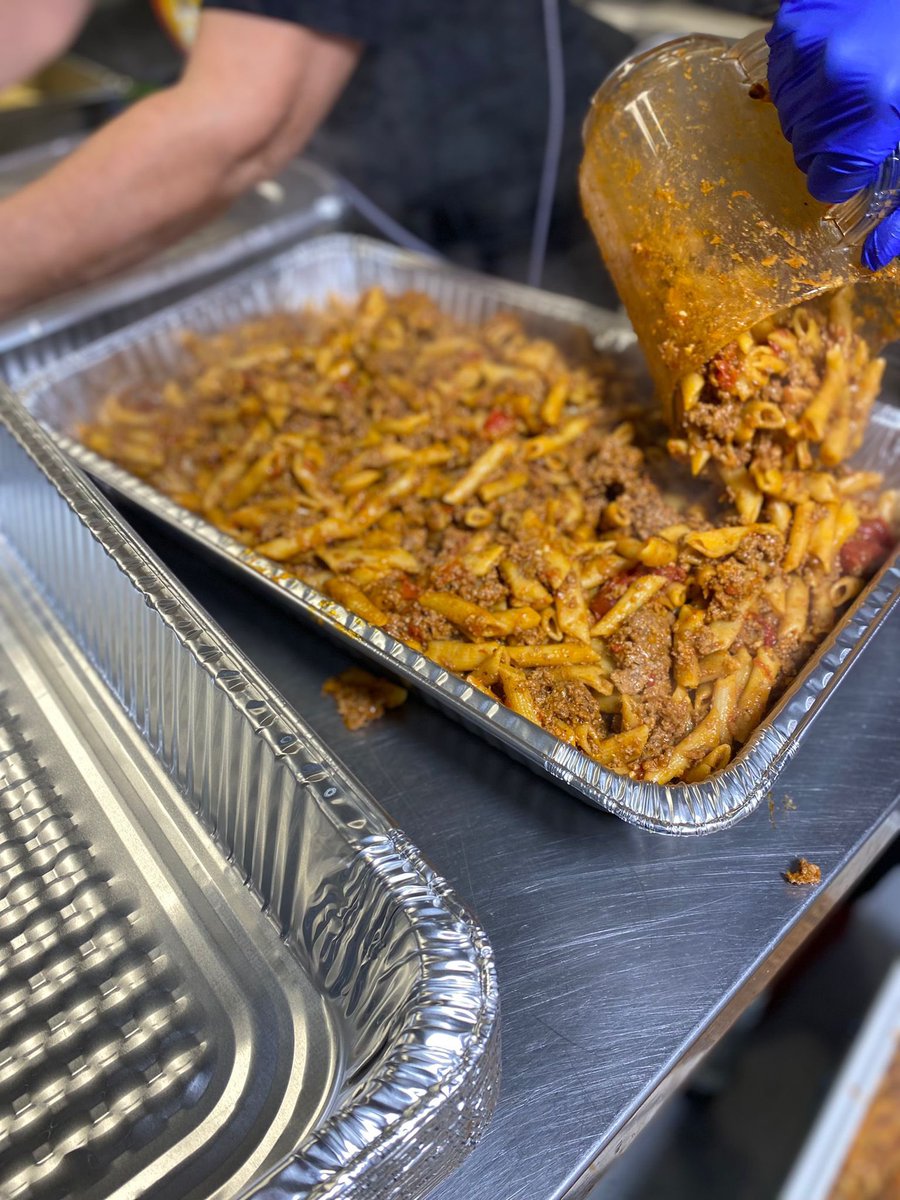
(156, 1031)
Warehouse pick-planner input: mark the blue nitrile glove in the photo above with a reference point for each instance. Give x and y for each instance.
(834, 75)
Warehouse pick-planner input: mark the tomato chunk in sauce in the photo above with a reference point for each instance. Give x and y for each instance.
(867, 549)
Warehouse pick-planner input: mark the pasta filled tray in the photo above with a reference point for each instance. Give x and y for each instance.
(467, 481)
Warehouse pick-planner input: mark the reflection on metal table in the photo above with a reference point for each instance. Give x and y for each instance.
(622, 955)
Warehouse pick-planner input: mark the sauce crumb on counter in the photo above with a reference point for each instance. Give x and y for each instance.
(803, 872)
(362, 698)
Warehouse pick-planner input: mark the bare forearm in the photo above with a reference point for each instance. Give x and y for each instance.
(132, 188)
(161, 169)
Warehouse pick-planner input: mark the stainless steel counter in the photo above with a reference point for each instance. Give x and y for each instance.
(621, 954)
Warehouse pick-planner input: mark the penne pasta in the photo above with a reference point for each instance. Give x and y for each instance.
(355, 599)
(483, 467)
(796, 611)
(572, 614)
(716, 543)
(638, 594)
(800, 536)
(476, 620)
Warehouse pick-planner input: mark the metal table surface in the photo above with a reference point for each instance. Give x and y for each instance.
(622, 955)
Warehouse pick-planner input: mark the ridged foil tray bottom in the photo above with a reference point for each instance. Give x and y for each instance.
(101, 1042)
(128, 1010)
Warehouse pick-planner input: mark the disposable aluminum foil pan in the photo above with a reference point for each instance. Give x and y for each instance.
(223, 973)
(816, 1171)
(304, 199)
(344, 265)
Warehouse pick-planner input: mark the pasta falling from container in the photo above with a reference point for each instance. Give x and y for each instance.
(509, 512)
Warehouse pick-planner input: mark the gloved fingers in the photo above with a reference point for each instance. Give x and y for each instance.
(833, 177)
(882, 244)
(854, 128)
(845, 146)
(796, 20)
(840, 119)
(795, 56)
(834, 75)
(793, 69)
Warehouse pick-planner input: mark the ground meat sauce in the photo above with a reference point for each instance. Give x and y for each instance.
(670, 717)
(642, 649)
(564, 703)
(519, 517)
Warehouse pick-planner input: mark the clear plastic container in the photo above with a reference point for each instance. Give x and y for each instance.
(703, 219)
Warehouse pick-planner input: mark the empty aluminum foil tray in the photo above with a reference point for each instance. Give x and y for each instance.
(222, 971)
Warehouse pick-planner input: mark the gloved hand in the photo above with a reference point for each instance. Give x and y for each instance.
(834, 75)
